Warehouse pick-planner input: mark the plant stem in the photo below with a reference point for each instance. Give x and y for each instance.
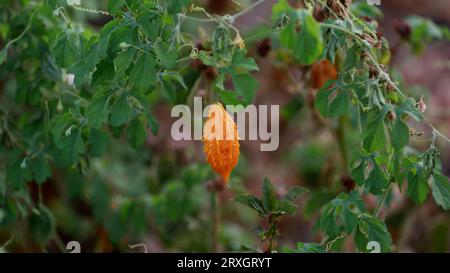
(59, 243)
(381, 201)
(247, 9)
(24, 31)
(216, 19)
(340, 133)
(272, 232)
(215, 222)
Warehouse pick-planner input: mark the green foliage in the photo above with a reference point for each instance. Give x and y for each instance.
(42, 225)
(347, 215)
(272, 207)
(72, 93)
(441, 190)
(307, 45)
(269, 204)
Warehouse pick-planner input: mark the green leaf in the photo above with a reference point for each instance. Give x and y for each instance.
(242, 64)
(370, 229)
(221, 44)
(399, 174)
(97, 110)
(59, 123)
(358, 173)
(400, 134)
(349, 218)
(175, 6)
(42, 225)
(341, 214)
(99, 49)
(284, 207)
(72, 145)
(288, 36)
(136, 133)
(17, 172)
(168, 90)
(374, 134)
(125, 33)
(361, 9)
(308, 46)
(440, 186)
(280, 8)
(340, 105)
(121, 112)
(246, 86)
(252, 202)
(67, 48)
(152, 123)
(408, 107)
(150, 23)
(322, 102)
(206, 58)
(174, 77)
(81, 72)
(98, 142)
(417, 185)
(228, 97)
(104, 73)
(377, 181)
(166, 56)
(123, 61)
(294, 193)
(115, 6)
(41, 169)
(143, 74)
(269, 198)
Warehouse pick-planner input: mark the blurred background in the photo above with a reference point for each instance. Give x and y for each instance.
(157, 195)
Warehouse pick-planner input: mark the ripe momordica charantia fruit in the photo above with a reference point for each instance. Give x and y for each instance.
(321, 72)
(221, 141)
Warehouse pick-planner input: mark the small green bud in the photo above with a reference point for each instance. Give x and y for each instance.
(68, 131)
(124, 45)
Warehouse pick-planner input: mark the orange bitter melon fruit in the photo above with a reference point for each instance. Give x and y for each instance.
(220, 141)
(321, 72)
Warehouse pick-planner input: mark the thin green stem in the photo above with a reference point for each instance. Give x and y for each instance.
(249, 8)
(218, 19)
(24, 31)
(341, 137)
(381, 201)
(59, 243)
(260, 35)
(40, 194)
(197, 19)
